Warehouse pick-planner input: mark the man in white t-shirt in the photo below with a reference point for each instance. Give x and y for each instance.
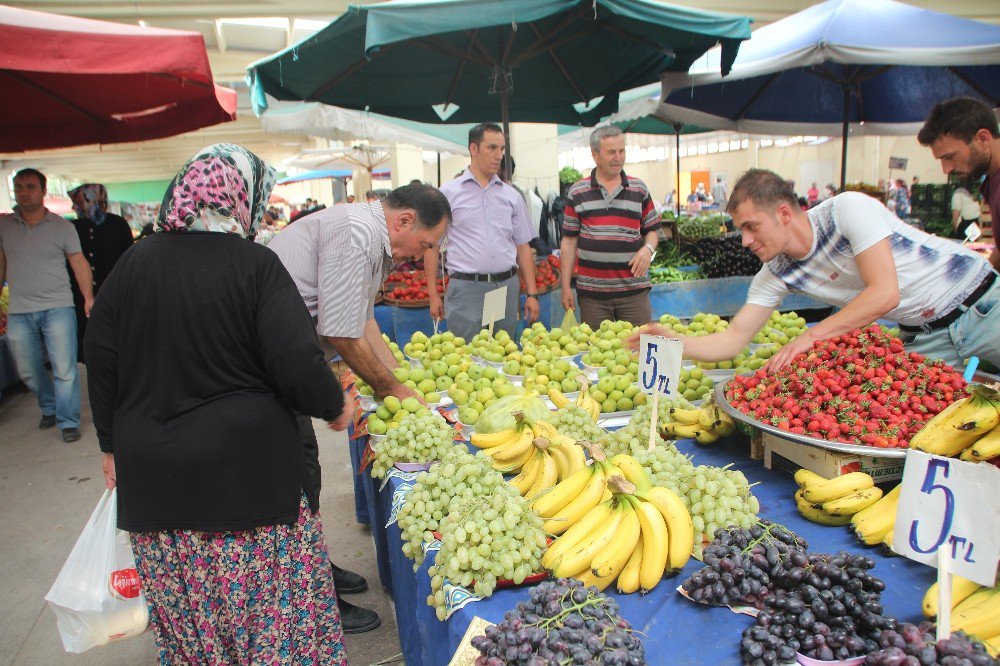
(851, 252)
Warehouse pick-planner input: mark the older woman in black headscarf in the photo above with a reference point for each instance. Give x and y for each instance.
(199, 350)
(104, 237)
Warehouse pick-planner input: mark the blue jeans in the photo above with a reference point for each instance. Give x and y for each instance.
(975, 333)
(56, 330)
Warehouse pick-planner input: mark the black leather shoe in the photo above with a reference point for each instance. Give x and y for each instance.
(71, 434)
(348, 582)
(355, 619)
(48, 421)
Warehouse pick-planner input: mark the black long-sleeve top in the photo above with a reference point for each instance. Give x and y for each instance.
(199, 347)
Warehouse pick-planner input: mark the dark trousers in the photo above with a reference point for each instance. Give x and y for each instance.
(636, 309)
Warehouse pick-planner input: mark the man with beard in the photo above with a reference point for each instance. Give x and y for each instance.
(963, 134)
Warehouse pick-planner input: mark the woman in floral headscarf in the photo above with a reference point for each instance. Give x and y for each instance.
(104, 237)
(200, 348)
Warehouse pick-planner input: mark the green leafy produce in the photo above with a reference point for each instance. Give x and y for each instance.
(500, 415)
(700, 226)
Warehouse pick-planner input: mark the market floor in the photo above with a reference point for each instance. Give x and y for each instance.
(48, 490)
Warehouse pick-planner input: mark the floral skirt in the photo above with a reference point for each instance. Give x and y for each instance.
(263, 596)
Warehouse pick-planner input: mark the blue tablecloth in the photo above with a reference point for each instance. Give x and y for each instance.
(676, 631)
(721, 296)
(383, 317)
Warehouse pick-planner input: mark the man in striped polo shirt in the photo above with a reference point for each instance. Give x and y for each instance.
(611, 225)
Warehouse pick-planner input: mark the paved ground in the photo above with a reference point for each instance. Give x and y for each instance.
(48, 490)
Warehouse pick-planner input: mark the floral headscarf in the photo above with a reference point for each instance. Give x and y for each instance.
(91, 201)
(224, 188)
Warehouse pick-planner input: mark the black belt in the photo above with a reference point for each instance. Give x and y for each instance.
(946, 320)
(484, 277)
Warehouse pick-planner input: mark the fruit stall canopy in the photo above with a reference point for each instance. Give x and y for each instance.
(71, 81)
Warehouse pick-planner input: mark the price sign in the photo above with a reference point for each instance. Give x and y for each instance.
(972, 233)
(494, 305)
(946, 511)
(660, 365)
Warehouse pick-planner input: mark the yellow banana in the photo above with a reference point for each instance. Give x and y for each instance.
(501, 438)
(558, 398)
(611, 560)
(837, 487)
(987, 447)
(982, 620)
(958, 426)
(708, 416)
(805, 478)
(687, 431)
(574, 454)
(961, 589)
(888, 498)
(684, 416)
(810, 512)
(588, 579)
(593, 518)
(628, 579)
(850, 504)
(544, 429)
(872, 528)
(562, 462)
(573, 511)
(679, 526)
(992, 645)
(668, 430)
(633, 472)
(513, 454)
(655, 544)
(977, 598)
(887, 540)
(607, 494)
(562, 493)
(726, 426)
(706, 436)
(548, 475)
(583, 552)
(526, 477)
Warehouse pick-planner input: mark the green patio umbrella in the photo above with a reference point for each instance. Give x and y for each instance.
(555, 61)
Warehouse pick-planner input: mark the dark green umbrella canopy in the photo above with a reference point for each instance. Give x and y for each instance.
(536, 58)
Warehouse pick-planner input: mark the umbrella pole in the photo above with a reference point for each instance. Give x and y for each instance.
(505, 119)
(439, 168)
(844, 131)
(677, 170)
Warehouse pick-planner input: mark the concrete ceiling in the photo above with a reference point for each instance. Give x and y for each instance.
(239, 32)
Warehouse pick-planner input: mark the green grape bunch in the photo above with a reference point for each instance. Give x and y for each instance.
(485, 539)
(458, 476)
(423, 436)
(576, 422)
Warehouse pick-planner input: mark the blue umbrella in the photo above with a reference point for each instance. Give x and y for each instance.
(880, 62)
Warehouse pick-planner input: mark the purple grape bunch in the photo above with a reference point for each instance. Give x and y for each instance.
(741, 564)
(827, 607)
(911, 645)
(562, 622)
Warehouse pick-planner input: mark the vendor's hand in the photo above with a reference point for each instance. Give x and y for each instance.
(531, 309)
(654, 328)
(87, 305)
(437, 306)
(568, 302)
(639, 263)
(347, 415)
(789, 351)
(402, 391)
(108, 467)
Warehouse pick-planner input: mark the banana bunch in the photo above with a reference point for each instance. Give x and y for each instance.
(875, 524)
(978, 614)
(583, 400)
(704, 425)
(634, 537)
(834, 501)
(966, 428)
(556, 459)
(961, 589)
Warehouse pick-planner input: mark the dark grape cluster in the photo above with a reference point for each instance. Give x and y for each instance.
(724, 256)
(562, 622)
(741, 563)
(824, 606)
(911, 645)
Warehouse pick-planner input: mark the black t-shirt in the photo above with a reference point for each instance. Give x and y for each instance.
(199, 347)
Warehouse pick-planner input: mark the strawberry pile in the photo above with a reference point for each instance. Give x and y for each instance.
(859, 388)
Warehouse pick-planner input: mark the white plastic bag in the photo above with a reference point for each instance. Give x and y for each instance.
(97, 597)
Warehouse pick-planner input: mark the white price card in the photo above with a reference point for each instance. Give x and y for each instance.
(947, 504)
(972, 233)
(660, 365)
(494, 305)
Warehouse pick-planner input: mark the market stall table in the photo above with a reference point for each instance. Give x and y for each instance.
(721, 296)
(675, 630)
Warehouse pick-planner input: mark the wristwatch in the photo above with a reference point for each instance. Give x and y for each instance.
(531, 295)
(652, 251)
